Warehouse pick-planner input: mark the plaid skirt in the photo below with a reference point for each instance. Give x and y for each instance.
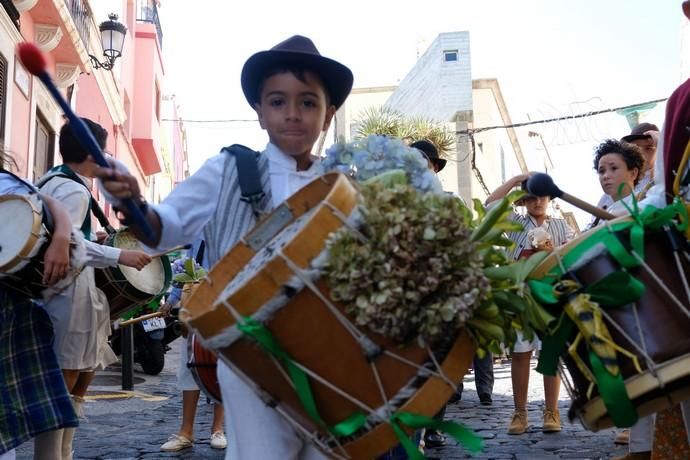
(33, 395)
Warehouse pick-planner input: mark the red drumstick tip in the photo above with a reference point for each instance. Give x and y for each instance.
(32, 58)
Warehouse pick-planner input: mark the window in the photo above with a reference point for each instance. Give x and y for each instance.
(158, 101)
(3, 97)
(450, 55)
(43, 147)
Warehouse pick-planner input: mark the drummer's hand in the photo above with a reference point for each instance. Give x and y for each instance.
(165, 308)
(119, 184)
(101, 236)
(136, 259)
(56, 260)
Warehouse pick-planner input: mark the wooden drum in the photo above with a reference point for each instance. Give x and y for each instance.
(272, 276)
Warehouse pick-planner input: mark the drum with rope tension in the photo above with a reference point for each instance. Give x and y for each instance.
(24, 238)
(126, 287)
(265, 311)
(621, 295)
(202, 364)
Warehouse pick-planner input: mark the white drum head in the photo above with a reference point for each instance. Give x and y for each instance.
(151, 279)
(17, 219)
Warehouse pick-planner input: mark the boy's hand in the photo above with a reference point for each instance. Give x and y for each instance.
(119, 184)
(56, 260)
(136, 259)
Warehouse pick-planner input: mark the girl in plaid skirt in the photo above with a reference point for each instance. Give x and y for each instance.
(34, 401)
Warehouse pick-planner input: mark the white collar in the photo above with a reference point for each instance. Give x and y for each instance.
(284, 163)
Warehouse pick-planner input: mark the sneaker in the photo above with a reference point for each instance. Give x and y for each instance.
(485, 399)
(433, 438)
(622, 438)
(519, 423)
(552, 421)
(176, 442)
(218, 440)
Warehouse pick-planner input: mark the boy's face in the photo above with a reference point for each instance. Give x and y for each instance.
(294, 112)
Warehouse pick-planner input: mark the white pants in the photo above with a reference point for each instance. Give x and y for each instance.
(185, 379)
(642, 435)
(8, 455)
(254, 430)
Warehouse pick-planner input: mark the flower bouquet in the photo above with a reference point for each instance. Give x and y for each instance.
(420, 264)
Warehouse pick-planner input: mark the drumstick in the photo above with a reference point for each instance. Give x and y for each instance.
(168, 251)
(541, 184)
(119, 323)
(35, 63)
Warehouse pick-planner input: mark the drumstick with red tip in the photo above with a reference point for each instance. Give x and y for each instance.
(176, 248)
(33, 60)
(540, 184)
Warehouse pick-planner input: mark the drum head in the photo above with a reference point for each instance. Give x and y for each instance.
(18, 227)
(152, 278)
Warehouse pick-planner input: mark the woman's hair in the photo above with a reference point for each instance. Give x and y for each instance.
(631, 154)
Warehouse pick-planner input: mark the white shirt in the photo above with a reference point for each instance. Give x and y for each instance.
(191, 204)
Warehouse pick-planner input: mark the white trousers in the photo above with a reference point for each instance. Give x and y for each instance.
(642, 433)
(254, 430)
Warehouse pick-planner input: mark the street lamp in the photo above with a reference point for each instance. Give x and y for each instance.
(113, 39)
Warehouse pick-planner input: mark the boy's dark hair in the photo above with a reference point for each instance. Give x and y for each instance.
(631, 154)
(71, 148)
(297, 71)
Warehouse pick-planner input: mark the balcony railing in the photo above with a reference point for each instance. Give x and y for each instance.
(82, 18)
(147, 11)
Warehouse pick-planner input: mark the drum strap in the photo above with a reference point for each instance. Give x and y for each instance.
(94, 208)
(249, 176)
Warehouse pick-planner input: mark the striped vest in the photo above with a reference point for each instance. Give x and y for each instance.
(233, 217)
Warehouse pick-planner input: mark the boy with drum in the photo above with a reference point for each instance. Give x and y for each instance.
(34, 401)
(80, 314)
(295, 92)
(536, 217)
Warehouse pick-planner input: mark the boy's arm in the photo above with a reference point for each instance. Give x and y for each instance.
(181, 217)
(57, 255)
(505, 188)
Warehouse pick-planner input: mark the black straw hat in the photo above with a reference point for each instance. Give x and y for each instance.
(430, 152)
(300, 51)
(638, 132)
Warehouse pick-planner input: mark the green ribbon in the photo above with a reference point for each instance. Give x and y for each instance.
(465, 437)
(268, 342)
(613, 393)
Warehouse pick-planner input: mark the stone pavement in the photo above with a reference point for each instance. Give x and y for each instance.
(133, 425)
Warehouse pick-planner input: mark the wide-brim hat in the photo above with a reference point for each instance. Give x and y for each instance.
(301, 51)
(521, 201)
(638, 132)
(430, 151)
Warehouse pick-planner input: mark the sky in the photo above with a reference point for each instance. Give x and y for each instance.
(551, 57)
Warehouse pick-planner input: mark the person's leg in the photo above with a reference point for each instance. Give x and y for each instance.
(48, 445)
(484, 377)
(81, 385)
(519, 369)
(218, 415)
(552, 418)
(190, 400)
(71, 377)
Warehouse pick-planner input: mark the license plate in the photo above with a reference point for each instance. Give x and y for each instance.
(153, 324)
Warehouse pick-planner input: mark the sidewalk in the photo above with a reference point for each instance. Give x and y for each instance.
(133, 425)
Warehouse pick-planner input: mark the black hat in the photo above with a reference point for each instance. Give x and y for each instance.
(301, 51)
(430, 152)
(638, 132)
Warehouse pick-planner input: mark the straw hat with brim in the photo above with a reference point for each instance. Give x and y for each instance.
(430, 152)
(296, 51)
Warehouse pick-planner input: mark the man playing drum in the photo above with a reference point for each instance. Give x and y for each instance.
(560, 232)
(80, 314)
(295, 92)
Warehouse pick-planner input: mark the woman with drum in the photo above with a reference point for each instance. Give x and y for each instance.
(535, 220)
(30, 370)
(80, 314)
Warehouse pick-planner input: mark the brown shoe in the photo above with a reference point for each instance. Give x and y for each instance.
(552, 421)
(519, 423)
(635, 456)
(622, 438)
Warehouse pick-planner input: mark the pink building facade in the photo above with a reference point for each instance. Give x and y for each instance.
(125, 100)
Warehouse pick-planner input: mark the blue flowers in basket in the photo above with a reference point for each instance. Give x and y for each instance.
(372, 156)
(187, 270)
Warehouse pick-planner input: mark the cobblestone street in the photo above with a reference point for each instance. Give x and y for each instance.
(123, 425)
